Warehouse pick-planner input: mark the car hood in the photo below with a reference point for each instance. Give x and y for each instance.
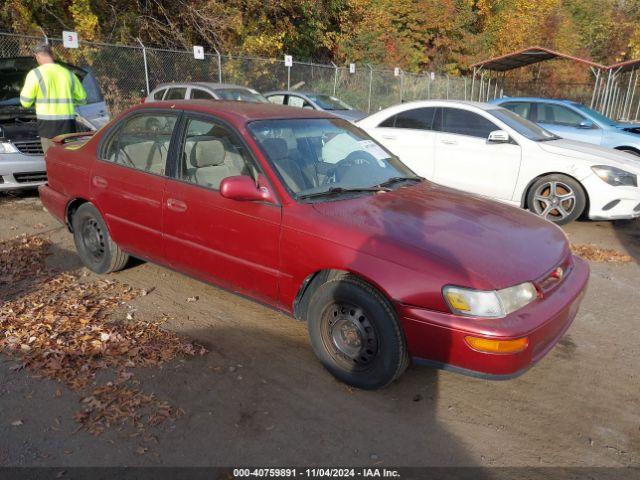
(488, 244)
(592, 153)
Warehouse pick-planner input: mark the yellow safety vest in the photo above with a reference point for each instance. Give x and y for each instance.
(55, 90)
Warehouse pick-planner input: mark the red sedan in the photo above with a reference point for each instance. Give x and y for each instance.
(305, 212)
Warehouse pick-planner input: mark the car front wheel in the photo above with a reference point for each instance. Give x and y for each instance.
(557, 198)
(355, 333)
(95, 247)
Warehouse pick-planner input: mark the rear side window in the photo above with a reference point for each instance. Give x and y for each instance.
(417, 119)
(159, 94)
(142, 142)
(519, 108)
(463, 122)
(558, 115)
(176, 94)
(198, 94)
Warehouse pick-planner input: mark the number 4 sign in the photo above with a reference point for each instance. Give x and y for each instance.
(70, 39)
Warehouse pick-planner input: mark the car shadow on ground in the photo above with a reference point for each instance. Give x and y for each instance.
(628, 233)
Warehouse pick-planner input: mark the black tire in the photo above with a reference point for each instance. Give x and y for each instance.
(96, 249)
(355, 333)
(557, 198)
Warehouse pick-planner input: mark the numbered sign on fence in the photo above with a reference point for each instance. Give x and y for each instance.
(396, 72)
(70, 39)
(288, 61)
(198, 52)
(352, 68)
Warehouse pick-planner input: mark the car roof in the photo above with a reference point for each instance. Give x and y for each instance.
(533, 99)
(209, 85)
(444, 103)
(294, 92)
(238, 112)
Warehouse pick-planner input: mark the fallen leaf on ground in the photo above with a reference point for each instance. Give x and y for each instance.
(598, 254)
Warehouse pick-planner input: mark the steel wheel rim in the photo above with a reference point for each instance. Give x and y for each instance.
(93, 239)
(349, 336)
(554, 200)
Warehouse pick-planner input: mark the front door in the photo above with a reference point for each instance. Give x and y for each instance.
(565, 123)
(467, 161)
(230, 242)
(128, 179)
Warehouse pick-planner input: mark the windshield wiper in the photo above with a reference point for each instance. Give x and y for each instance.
(341, 190)
(394, 180)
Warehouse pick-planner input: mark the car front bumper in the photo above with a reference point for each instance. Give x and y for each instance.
(438, 339)
(607, 202)
(20, 171)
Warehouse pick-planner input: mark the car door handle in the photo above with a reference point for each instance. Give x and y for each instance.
(389, 137)
(447, 141)
(176, 205)
(100, 182)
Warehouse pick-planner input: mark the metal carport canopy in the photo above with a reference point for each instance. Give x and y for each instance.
(528, 56)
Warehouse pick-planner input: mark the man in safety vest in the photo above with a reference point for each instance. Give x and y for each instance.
(54, 90)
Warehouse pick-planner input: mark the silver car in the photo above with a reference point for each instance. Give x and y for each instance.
(204, 91)
(316, 101)
(21, 160)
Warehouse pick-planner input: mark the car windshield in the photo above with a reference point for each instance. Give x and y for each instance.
(14, 70)
(523, 126)
(322, 157)
(328, 102)
(597, 116)
(240, 95)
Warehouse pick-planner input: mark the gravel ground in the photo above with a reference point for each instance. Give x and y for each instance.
(260, 397)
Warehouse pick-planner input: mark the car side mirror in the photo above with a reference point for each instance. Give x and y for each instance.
(586, 124)
(498, 136)
(244, 189)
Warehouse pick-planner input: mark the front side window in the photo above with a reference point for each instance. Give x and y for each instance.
(329, 102)
(176, 94)
(211, 153)
(295, 101)
(558, 115)
(241, 95)
(199, 94)
(524, 127)
(463, 122)
(159, 94)
(142, 142)
(277, 99)
(318, 156)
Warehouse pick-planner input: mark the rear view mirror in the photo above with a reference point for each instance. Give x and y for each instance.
(244, 188)
(585, 124)
(498, 136)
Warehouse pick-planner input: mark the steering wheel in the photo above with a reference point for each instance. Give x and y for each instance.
(356, 158)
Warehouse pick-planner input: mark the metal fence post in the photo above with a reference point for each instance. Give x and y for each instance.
(146, 68)
(219, 65)
(370, 87)
(447, 87)
(335, 78)
(401, 85)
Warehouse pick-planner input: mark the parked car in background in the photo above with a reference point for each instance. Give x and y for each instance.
(491, 151)
(574, 121)
(205, 91)
(21, 159)
(305, 212)
(316, 101)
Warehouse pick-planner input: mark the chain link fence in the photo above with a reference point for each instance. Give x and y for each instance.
(126, 73)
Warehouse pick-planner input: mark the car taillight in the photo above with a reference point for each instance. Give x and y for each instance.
(142, 100)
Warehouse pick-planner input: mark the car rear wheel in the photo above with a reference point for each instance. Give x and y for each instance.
(95, 247)
(557, 198)
(355, 333)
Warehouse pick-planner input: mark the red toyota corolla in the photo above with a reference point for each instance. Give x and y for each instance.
(305, 212)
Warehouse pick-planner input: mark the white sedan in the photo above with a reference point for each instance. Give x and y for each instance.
(491, 151)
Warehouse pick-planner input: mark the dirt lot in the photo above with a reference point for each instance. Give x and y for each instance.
(260, 397)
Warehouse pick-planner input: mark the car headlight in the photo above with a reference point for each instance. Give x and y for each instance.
(489, 304)
(615, 176)
(7, 147)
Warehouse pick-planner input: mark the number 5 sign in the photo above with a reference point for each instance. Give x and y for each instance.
(70, 39)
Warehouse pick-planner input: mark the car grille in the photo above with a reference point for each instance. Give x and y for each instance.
(32, 147)
(27, 177)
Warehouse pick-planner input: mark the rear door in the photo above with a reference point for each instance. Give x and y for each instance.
(467, 161)
(409, 135)
(565, 122)
(225, 241)
(128, 179)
